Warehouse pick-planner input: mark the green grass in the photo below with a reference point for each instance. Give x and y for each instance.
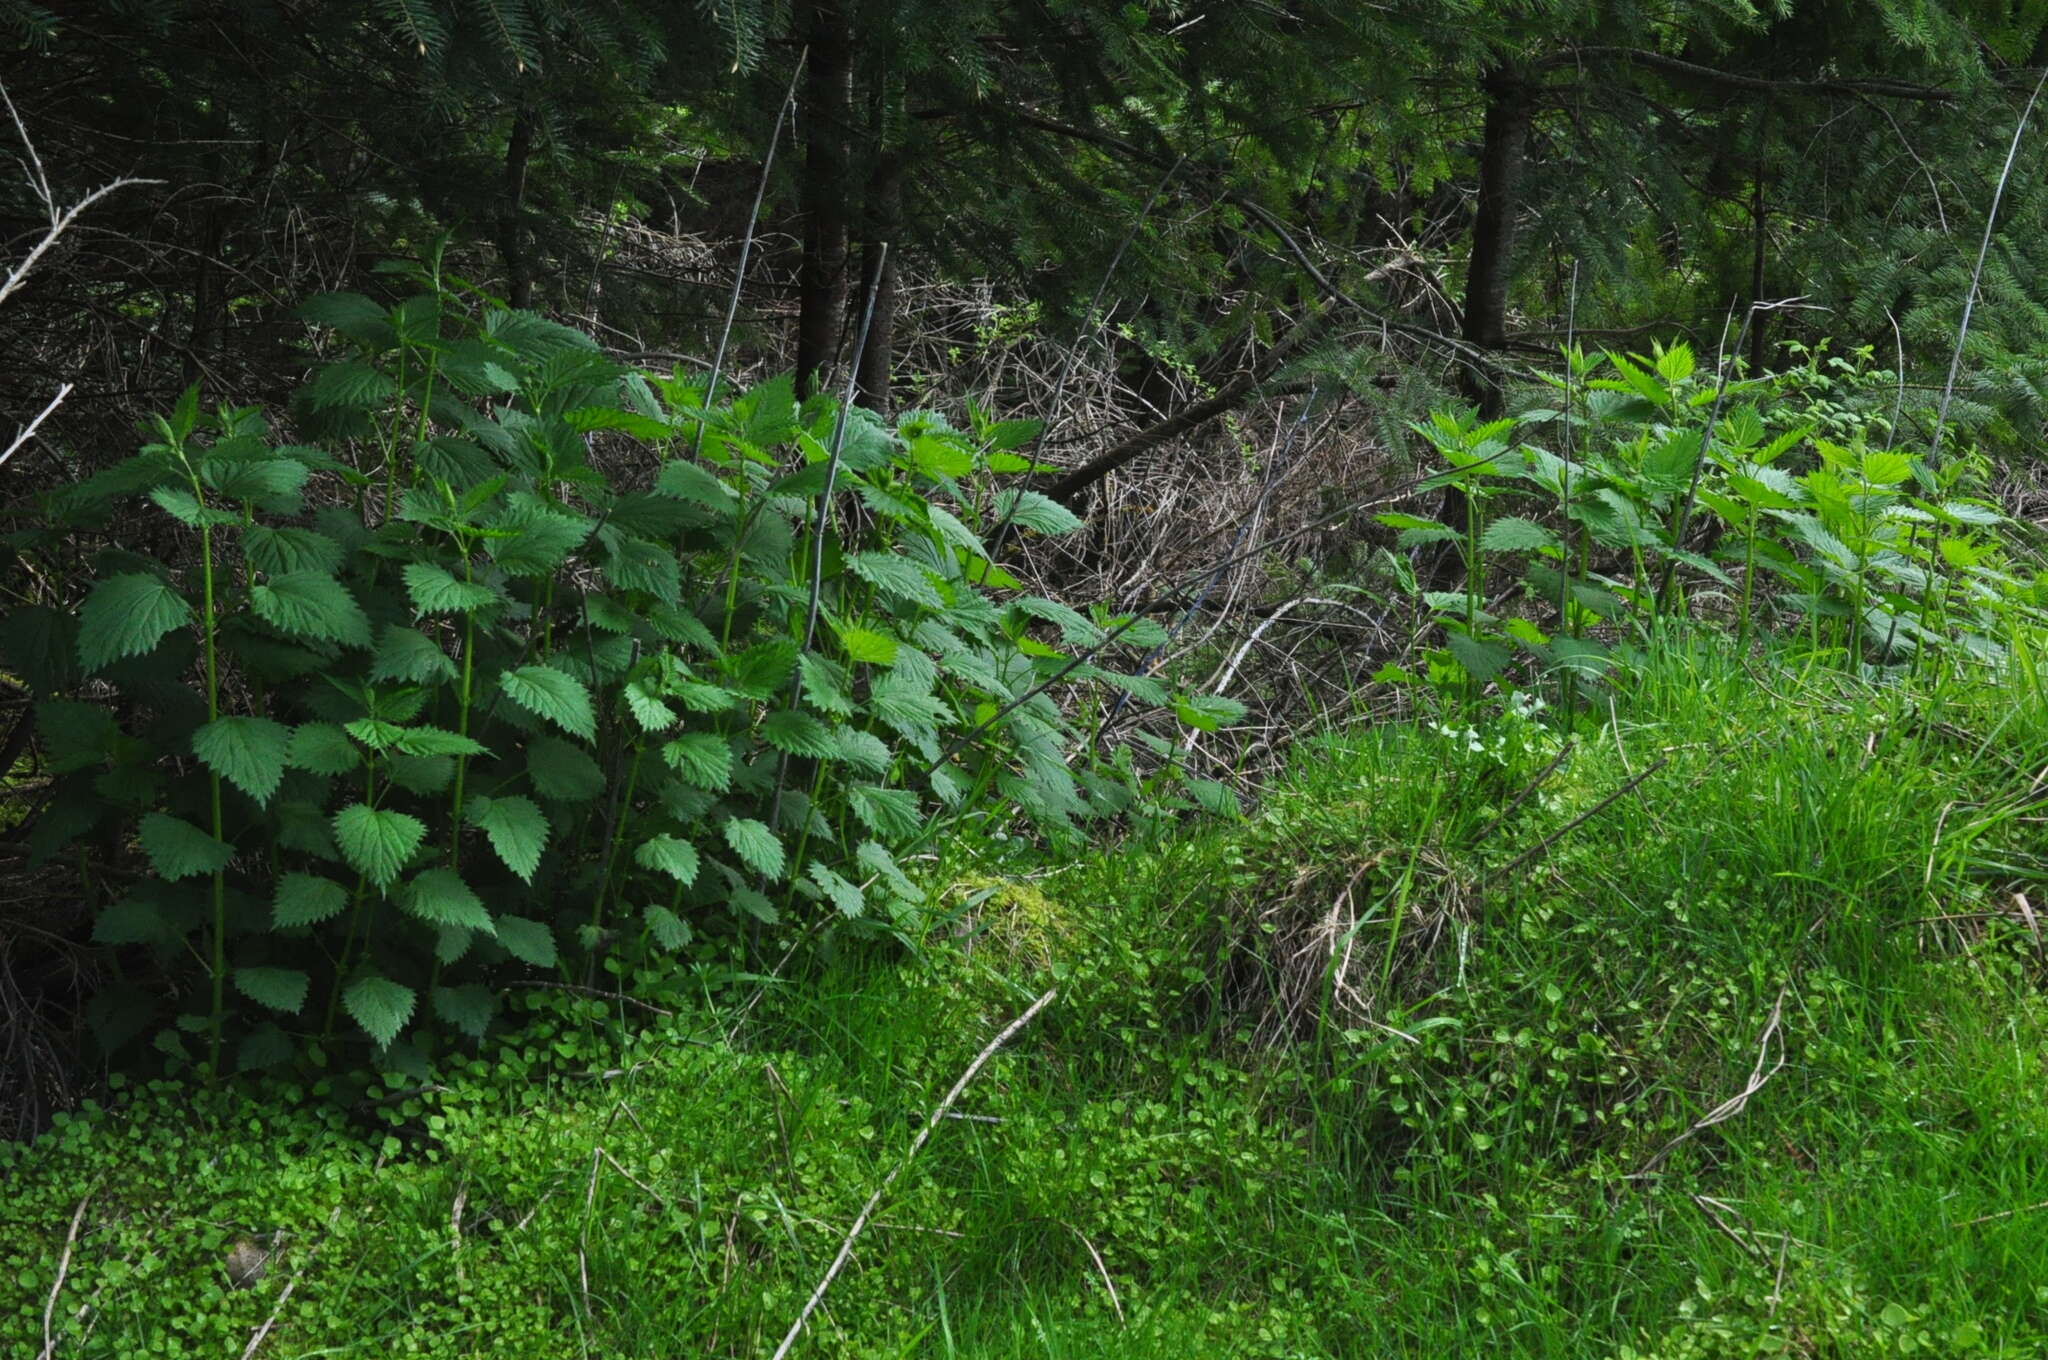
(1383, 1071)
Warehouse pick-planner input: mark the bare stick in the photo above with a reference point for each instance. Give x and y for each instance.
(284, 1295)
(739, 277)
(2003, 1213)
(1955, 360)
(846, 1248)
(63, 1269)
(29, 431)
(1738, 1102)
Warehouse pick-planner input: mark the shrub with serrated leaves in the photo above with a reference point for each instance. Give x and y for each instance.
(503, 670)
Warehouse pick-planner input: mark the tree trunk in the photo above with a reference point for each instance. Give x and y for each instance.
(826, 111)
(512, 211)
(1485, 322)
(878, 281)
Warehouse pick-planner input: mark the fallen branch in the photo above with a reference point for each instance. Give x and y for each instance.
(1010, 1031)
(63, 1269)
(1738, 1102)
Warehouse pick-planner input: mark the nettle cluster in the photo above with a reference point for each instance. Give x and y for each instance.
(1653, 490)
(444, 699)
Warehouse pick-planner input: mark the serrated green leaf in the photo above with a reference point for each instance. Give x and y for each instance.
(1482, 660)
(877, 860)
(380, 1006)
(891, 814)
(648, 711)
(847, 899)
(516, 828)
(550, 694)
(704, 759)
(762, 671)
(437, 741)
(279, 552)
(798, 733)
(1218, 800)
(74, 735)
(408, 655)
(1209, 712)
(440, 896)
(437, 591)
(311, 604)
(670, 931)
(863, 750)
(322, 748)
(758, 847)
(254, 479)
(897, 576)
(825, 684)
(377, 843)
(127, 616)
(528, 941)
(469, 1008)
(249, 753)
(1035, 510)
(562, 772)
(865, 644)
(697, 485)
(306, 900)
(669, 855)
(1515, 534)
(177, 849)
(281, 989)
(187, 509)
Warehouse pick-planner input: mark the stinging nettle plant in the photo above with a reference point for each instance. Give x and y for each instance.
(439, 700)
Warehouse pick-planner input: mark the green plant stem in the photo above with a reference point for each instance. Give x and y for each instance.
(220, 889)
(464, 700)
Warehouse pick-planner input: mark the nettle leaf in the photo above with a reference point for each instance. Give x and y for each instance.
(528, 941)
(281, 989)
(539, 539)
(758, 847)
(408, 655)
(440, 896)
(669, 855)
(891, 814)
(1482, 660)
(469, 1008)
(278, 552)
(187, 508)
(798, 733)
(548, 693)
(863, 750)
(311, 604)
(1035, 510)
(322, 748)
(562, 772)
(436, 741)
(1218, 800)
(1515, 534)
(878, 861)
(1209, 712)
(761, 671)
(249, 753)
(127, 616)
(376, 843)
(695, 484)
(177, 849)
(75, 735)
(649, 711)
(826, 684)
(438, 591)
(380, 1006)
(306, 900)
(516, 828)
(249, 479)
(670, 931)
(866, 644)
(896, 576)
(847, 898)
(704, 759)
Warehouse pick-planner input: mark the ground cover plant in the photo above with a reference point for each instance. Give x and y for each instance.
(1357, 1077)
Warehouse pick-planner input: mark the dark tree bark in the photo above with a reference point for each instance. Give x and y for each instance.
(826, 111)
(511, 217)
(876, 362)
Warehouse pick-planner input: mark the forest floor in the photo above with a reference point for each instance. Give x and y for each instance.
(1712, 1028)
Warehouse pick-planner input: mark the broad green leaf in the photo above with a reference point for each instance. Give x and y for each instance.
(380, 1006)
(548, 693)
(75, 735)
(1515, 534)
(254, 479)
(891, 814)
(670, 931)
(436, 591)
(306, 900)
(469, 1008)
(281, 989)
(1209, 712)
(516, 828)
(322, 748)
(877, 860)
(863, 750)
(562, 772)
(186, 508)
(1035, 510)
(762, 671)
(897, 576)
(311, 604)
(865, 644)
(798, 733)
(436, 741)
(377, 843)
(757, 846)
(1218, 800)
(279, 552)
(409, 655)
(669, 855)
(698, 485)
(826, 685)
(249, 753)
(1482, 660)
(846, 898)
(528, 941)
(440, 896)
(177, 849)
(127, 616)
(704, 759)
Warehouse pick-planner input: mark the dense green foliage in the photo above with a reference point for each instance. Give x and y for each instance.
(400, 716)
(1180, 1157)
